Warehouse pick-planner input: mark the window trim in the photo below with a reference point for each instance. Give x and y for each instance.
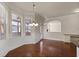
(18, 21)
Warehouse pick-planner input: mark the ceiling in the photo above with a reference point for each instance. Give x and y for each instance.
(47, 9)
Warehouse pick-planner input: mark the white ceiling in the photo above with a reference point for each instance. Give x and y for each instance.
(47, 9)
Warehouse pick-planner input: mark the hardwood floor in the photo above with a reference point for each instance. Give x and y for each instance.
(45, 48)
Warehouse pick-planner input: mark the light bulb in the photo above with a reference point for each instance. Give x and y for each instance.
(33, 24)
(30, 24)
(36, 24)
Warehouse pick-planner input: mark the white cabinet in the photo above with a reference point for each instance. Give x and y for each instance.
(77, 51)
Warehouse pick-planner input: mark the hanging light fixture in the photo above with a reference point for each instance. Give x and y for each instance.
(34, 23)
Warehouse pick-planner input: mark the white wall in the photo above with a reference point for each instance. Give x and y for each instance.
(69, 26)
(10, 42)
(59, 36)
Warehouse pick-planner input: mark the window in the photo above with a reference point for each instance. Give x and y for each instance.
(1, 29)
(2, 22)
(16, 25)
(54, 26)
(27, 26)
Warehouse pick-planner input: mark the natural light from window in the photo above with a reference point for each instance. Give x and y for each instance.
(54, 26)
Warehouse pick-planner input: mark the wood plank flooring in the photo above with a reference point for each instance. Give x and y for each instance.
(45, 48)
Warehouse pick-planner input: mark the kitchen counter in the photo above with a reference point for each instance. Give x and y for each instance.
(75, 40)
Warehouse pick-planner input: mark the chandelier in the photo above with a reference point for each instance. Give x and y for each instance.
(33, 23)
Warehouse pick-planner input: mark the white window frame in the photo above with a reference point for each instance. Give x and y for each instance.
(54, 26)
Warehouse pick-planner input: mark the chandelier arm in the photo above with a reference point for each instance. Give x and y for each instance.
(33, 20)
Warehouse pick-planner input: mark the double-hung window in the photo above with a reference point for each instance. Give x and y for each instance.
(27, 26)
(16, 26)
(2, 21)
(54, 26)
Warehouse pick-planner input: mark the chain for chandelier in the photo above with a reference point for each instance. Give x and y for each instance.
(33, 19)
